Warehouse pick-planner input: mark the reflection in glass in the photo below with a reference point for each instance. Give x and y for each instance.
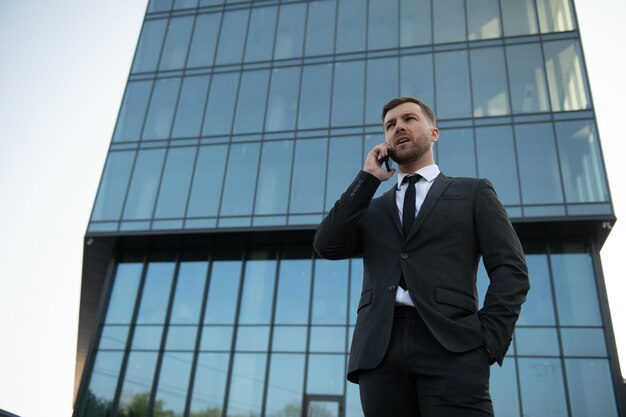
(555, 15)
(216, 338)
(382, 86)
(416, 78)
(175, 183)
(308, 177)
(543, 393)
(143, 186)
(137, 384)
(537, 342)
(348, 95)
(330, 292)
(252, 338)
(325, 374)
(246, 385)
(202, 50)
(356, 286)
(190, 109)
(284, 392)
(289, 339)
(489, 87)
(149, 46)
(290, 31)
(147, 337)
(240, 179)
(133, 111)
(452, 85)
(567, 79)
(382, 16)
(344, 162)
(176, 43)
(156, 293)
(101, 391)
(161, 110)
(189, 290)
(320, 28)
(232, 37)
(294, 278)
(449, 20)
(529, 93)
(108, 205)
(260, 41)
(315, 96)
(207, 181)
(503, 389)
(181, 337)
(283, 99)
(251, 102)
(218, 118)
(159, 5)
(590, 388)
(497, 162)
(113, 337)
(171, 394)
(539, 308)
(350, 26)
(209, 384)
(483, 19)
(584, 342)
(223, 290)
(327, 339)
(455, 152)
(518, 17)
(415, 23)
(258, 292)
(273, 183)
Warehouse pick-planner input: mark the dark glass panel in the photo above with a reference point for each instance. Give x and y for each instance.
(252, 338)
(483, 19)
(113, 337)
(159, 5)
(320, 28)
(285, 385)
(218, 118)
(202, 50)
(260, 42)
(344, 162)
(356, 286)
(415, 23)
(348, 94)
(537, 342)
(240, 179)
(452, 85)
(251, 102)
(175, 183)
(101, 391)
(210, 2)
(137, 384)
(290, 31)
(189, 290)
(382, 86)
(147, 337)
(207, 181)
(161, 111)
(325, 374)
(330, 292)
(449, 20)
(108, 205)
(294, 286)
(555, 15)
(223, 290)
(144, 184)
(583, 342)
(504, 390)
(539, 307)
(272, 190)
(209, 384)
(518, 17)
(489, 86)
(156, 293)
(590, 388)
(350, 26)
(581, 162)
(181, 337)
(567, 78)
(176, 43)
(529, 93)
(328, 339)
(171, 394)
(149, 46)
(315, 96)
(308, 177)
(497, 162)
(258, 291)
(133, 111)
(382, 24)
(216, 338)
(289, 338)
(456, 154)
(232, 37)
(283, 99)
(190, 109)
(246, 385)
(543, 393)
(416, 78)
(185, 4)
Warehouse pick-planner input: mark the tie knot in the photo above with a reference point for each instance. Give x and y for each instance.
(411, 179)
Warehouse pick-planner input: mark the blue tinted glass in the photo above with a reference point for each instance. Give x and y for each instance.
(455, 152)
(538, 308)
(538, 164)
(542, 388)
(356, 286)
(294, 285)
(289, 339)
(382, 86)
(232, 37)
(175, 183)
(156, 293)
(567, 78)
(210, 2)
(449, 20)
(137, 382)
(176, 43)
(246, 385)
(504, 390)
(181, 338)
(258, 292)
(113, 337)
(483, 19)
(583, 342)
(581, 162)
(251, 103)
(122, 302)
(223, 290)
(283, 99)
(320, 28)
(350, 26)
(103, 383)
(240, 179)
(382, 22)
(189, 291)
(159, 5)
(353, 403)
(555, 15)
(216, 338)
(161, 110)
(143, 186)
(202, 50)
(325, 374)
(489, 85)
(348, 95)
(529, 92)
(344, 162)
(452, 85)
(149, 46)
(330, 292)
(221, 104)
(328, 339)
(184, 4)
(285, 385)
(416, 78)
(252, 338)
(171, 394)
(207, 181)
(536, 342)
(108, 205)
(497, 162)
(590, 388)
(308, 177)
(273, 180)
(147, 338)
(290, 31)
(518, 17)
(315, 96)
(415, 23)
(260, 42)
(208, 398)
(191, 107)
(133, 111)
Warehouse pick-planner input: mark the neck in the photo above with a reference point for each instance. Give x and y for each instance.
(412, 167)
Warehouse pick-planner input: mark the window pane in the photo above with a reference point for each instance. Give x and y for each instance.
(191, 107)
(251, 102)
(555, 15)
(258, 292)
(232, 37)
(143, 187)
(221, 104)
(590, 388)
(252, 338)
(189, 291)
(260, 42)
(538, 309)
(289, 338)
(283, 99)
(159, 5)
(350, 26)
(285, 385)
(246, 385)
(223, 291)
(452, 85)
(133, 111)
(483, 19)
(294, 286)
(149, 46)
(518, 17)
(325, 374)
(137, 384)
(273, 179)
(382, 86)
(496, 161)
(124, 294)
(175, 183)
(290, 32)
(320, 28)
(353, 401)
(489, 85)
(455, 152)
(583, 342)
(536, 342)
(328, 339)
(542, 388)
(216, 338)
(383, 18)
(171, 394)
(449, 20)
(161, 110)
(504, 390)
(567, 79)
(330, 292)
(529, 93)
(538, 164)
(415, 23)
(356, 287)
(210, 384)
(156, 293)
(348, 94)
(147, 337)
(308, 178)
(101, 391)
(113, 186)
(240, 179)
(176, 43)
(185, 4)
(344, 162)
(204, 39)
(181, 338)
(416, 78)
(113, 337)
(315, 96)
(207, 181)
(581, 162)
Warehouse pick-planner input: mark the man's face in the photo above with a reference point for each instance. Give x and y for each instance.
(409, 133)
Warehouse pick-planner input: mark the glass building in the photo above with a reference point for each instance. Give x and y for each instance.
(242, 123)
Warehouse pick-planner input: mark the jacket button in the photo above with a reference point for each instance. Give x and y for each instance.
(392, 288)
(404, 255)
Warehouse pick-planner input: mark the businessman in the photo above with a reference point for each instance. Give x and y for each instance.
(421, 347)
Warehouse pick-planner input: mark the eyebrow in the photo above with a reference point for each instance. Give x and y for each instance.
(403, 115)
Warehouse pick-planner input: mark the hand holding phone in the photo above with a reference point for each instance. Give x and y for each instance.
(385, 160)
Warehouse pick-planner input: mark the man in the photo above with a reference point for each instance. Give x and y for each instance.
(421, 347)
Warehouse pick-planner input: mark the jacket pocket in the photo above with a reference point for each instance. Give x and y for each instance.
(456, 299)
(366, 299)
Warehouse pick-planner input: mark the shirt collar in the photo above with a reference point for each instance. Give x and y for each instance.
(429, 173)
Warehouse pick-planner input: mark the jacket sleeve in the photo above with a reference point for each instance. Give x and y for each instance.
(506, 267)
(337, 236)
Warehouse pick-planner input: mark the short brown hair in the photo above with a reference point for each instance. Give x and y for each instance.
(401, 100)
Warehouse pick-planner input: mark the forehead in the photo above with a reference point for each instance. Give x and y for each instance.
(403, 108)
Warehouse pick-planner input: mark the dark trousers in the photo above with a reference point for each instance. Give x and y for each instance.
(419, 378)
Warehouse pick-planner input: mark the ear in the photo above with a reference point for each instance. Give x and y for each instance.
(434, 135)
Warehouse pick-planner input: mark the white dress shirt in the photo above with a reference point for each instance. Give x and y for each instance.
(428, 173)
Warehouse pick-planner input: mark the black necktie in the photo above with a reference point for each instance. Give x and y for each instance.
(408, 211)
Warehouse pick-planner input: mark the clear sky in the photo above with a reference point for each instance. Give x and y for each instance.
(63, 72)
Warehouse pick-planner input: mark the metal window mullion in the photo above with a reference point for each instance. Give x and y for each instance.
(307, 351)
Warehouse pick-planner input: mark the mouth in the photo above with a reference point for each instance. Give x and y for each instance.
(402, 140)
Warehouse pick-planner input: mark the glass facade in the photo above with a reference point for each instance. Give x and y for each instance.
(255, 116)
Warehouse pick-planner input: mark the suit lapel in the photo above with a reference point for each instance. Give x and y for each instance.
(439, 186)
(390, 202)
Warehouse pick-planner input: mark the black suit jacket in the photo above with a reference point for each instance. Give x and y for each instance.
(460, 220)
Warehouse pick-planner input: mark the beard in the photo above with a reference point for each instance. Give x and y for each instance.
(410, 154)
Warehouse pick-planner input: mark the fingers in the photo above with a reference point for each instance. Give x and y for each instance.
(374, 160)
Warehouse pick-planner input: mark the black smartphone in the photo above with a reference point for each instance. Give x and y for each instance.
(385, 161)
